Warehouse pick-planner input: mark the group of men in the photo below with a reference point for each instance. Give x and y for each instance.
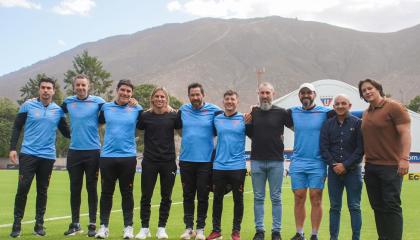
(323, 137)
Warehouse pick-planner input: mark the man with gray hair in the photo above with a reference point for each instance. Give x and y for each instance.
(341, 146)
(266, 132)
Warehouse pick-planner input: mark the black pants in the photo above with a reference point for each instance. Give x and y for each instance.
(236, 179)
(195, 178)
(29, 166)
(167, 174)
(122, 169)
(80, 162)
(383, 186)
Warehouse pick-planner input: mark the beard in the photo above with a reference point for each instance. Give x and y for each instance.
(306, 102)
(265, 106)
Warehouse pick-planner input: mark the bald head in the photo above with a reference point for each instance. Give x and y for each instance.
(342, 97)
(342, 105)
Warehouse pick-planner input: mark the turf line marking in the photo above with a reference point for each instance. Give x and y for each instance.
(87, 214)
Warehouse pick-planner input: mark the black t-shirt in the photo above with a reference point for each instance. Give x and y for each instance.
(159, 144)
(266, 132)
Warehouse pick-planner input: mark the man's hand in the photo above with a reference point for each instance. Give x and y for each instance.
(248, 118)
(132, 102)
(339, 169)
(13, 157)
(403, 167)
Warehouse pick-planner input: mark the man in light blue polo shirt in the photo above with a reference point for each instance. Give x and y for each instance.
(307, 168)
(40, 119)
(195, 158)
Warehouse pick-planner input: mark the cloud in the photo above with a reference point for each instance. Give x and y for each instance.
(20, 3)
(74, 7)
(366, 15)
(61, 43)
(173, 6)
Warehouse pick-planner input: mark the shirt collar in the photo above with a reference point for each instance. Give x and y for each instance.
(380, 105)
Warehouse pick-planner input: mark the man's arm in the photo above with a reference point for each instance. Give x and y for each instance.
(20, 121)
(179, 123)
(405, 136)
(64, 127)
(357, 155)
(324, 145)
(289, 120)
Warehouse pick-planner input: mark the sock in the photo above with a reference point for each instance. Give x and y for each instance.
(300, 231)
(314, 232)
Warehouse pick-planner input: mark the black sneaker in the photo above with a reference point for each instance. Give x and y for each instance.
(39, 230)
(298, 236)
(74, 228)
(314, 237)
(259, 235)
(16, 230)
(275, 236)
(91, 230)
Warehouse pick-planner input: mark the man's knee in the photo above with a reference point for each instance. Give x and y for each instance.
(316, 197)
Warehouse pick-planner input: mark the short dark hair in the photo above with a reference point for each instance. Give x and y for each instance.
(47, 80)
(196, 85)
(374, 83)
(126, 82)
(230, 93)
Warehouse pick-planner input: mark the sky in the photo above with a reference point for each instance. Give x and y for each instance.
(33, 30)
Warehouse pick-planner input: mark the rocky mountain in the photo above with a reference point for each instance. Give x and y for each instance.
(224, 54)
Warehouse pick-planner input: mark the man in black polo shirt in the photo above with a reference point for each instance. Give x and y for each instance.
(341, 147)
(266, 132)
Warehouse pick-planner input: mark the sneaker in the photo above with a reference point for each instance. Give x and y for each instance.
(16, 230)
(275, 236)
(161, 233)
(39, 230)
(143, 234)
(103, 232)
(298, 236)
(314, 237)
(214, 236)
(188, 234)
(200, 234)
(259, 235)
(74, 228)
(128, 232)
(91, 230)
(235, 235)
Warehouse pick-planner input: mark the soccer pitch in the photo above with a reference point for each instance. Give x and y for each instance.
(58, 211)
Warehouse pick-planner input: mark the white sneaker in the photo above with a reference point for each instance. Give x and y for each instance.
(128, 232)
(143, 234)
(200, 234)
(103, 232)
(188, 234)
(161, 233)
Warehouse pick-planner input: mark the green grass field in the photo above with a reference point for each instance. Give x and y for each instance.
(58, 208)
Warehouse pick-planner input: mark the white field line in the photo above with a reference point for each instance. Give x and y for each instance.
(113, 211)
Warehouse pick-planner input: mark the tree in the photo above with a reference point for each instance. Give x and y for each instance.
(414, 104)
(142, 94)
(31, 90)
(100, 82)
(8, 110)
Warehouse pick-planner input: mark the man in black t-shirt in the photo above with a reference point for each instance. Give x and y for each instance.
(159, 157)
(266, 132)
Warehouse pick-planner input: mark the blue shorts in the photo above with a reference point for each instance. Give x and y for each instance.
(310, 179)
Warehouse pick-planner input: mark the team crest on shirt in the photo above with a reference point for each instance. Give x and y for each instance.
(236, 122)
(74, 105)
(326, 100)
